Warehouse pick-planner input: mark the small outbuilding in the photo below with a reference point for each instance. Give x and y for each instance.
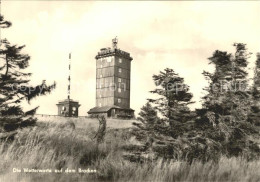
(112, 111)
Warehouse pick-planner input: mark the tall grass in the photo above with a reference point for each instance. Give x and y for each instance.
(57, 146)
(85, 122)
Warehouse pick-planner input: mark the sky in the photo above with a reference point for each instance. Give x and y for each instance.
(157, 34)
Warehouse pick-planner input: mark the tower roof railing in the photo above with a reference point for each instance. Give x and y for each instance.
(109, 51)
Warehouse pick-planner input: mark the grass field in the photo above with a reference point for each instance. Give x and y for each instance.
(54, 145)
(84, 122)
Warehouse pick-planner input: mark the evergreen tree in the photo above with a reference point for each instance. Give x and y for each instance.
(144, 132)
(221, 127)
(255, 109)
(173, 101)
(148, 124)
(148, 117)
(227, 104)
(160, 136)
(227, 93)
(14, 85)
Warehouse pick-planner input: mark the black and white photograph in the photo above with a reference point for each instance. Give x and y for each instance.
(134, 91)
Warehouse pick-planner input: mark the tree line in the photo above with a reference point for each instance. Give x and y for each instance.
(226, 124)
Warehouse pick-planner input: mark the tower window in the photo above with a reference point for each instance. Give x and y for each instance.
(119, 100)
(119, 79)
(120, 60)
(119, 90)
(119, 70)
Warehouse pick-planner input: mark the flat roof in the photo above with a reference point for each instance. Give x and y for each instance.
(106, 109)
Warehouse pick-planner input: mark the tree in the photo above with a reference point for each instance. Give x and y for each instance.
(173, 101)
(256, 84)
(228, 85)
(148, 115)
(147, 131)
(164, 136)
(228, 96)
(226, 106)
(14, 85)
(221, 127)
(255, 109)
(148, 124)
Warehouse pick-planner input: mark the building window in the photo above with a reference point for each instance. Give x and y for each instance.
(99, 104)
(119, 100)
(119, 79)
(120, 60)
(119, 90)
(101, 76)
(101, 66)
(100, 96)
(119, 70)
(109, 59)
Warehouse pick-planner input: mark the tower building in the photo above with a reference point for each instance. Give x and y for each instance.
(68, 107)
(113, 71)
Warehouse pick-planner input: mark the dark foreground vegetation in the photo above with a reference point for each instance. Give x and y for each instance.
(58, 146)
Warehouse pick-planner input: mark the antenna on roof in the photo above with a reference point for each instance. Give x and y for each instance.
(114, 41)
(69, 77)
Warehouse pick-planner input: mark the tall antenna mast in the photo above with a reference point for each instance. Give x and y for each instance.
(69, 77)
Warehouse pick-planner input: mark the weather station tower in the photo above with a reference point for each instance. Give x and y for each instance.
(113, 76)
